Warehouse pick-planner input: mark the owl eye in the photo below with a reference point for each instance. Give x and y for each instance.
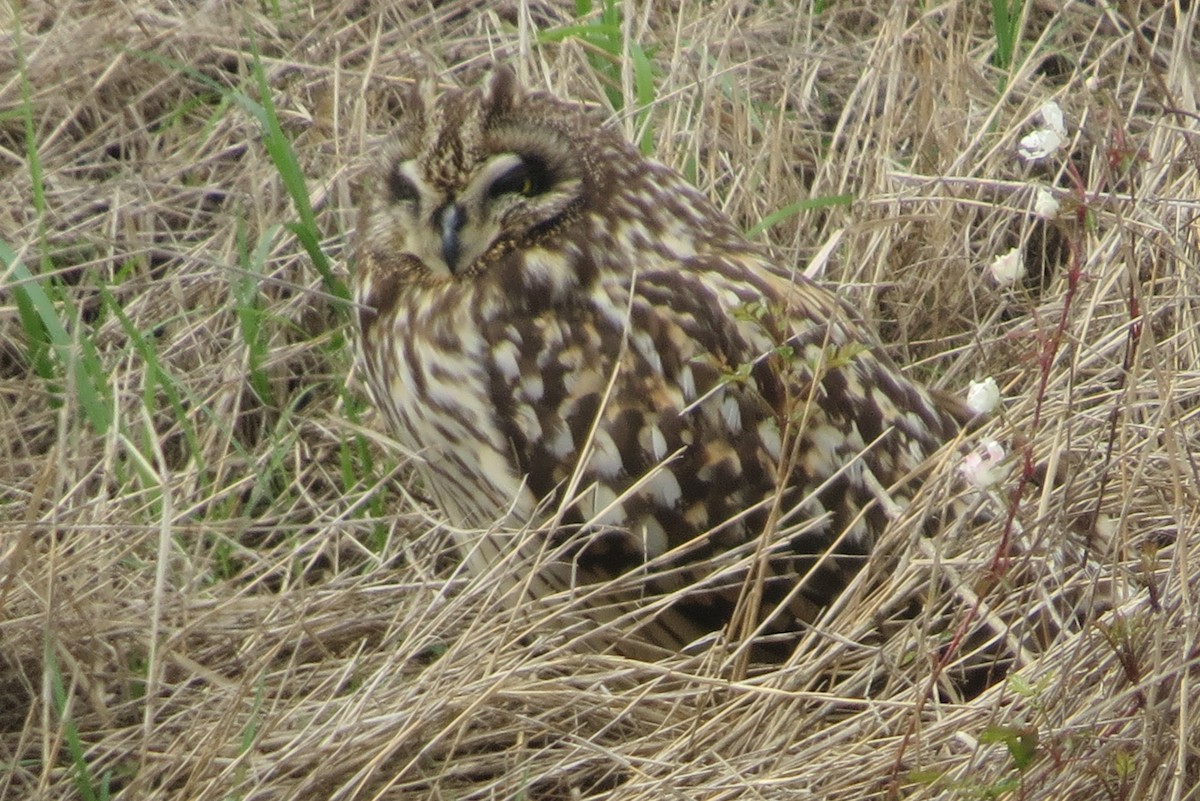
(401, 188)
(528, 177)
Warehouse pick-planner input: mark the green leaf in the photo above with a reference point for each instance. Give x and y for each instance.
(1022, 743)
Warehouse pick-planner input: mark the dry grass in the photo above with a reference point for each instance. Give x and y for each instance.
(213, 585)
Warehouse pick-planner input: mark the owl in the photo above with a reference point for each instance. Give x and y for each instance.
(572, 339)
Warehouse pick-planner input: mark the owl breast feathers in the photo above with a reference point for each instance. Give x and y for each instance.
(560, 328)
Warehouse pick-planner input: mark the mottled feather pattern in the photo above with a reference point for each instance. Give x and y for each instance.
(542, 307)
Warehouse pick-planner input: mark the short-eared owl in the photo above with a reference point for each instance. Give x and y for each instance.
(564, 330)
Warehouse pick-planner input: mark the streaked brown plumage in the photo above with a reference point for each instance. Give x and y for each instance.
(542, 307)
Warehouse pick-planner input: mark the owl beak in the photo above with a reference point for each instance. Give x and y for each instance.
(451, 219)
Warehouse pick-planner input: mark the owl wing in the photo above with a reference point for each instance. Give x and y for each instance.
(678, 416)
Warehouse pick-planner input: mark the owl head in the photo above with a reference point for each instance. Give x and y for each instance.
(475, 173)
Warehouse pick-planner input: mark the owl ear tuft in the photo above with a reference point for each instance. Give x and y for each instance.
(501, 90)
(415, 97)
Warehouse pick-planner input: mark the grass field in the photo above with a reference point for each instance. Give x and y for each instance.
(215, 582)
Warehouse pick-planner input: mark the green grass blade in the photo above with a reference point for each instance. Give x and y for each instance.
(279, 149)
(792, 209)
(90, 380)
(35, 334)
(250, 310)
(593, 33)
(32, 158)
(1006, 16)
(83, 775)
(156, 376)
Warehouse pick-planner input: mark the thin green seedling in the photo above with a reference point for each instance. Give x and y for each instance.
(1006, 24)
(273, 475)
(32, 158)
(643, 84)
(139, 665)
(148, 477)
(180, 399)
(177, 115)
(354, 450)
(250, 731)
(607, 50)
(355, 461)
(46, 336)
(89, 790)
(249, 735)
(36, 335)
(279, 149)
(792, 209)
(224, 565)
(76, 354)
(157, 377)
(250, 310)
(739, 96)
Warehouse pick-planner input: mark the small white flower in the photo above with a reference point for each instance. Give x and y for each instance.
(1006, 270)
(1052, 116)
(1045, 205)
(1045, 141)
(983, 396)
(982, 466)
(1039, 144)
